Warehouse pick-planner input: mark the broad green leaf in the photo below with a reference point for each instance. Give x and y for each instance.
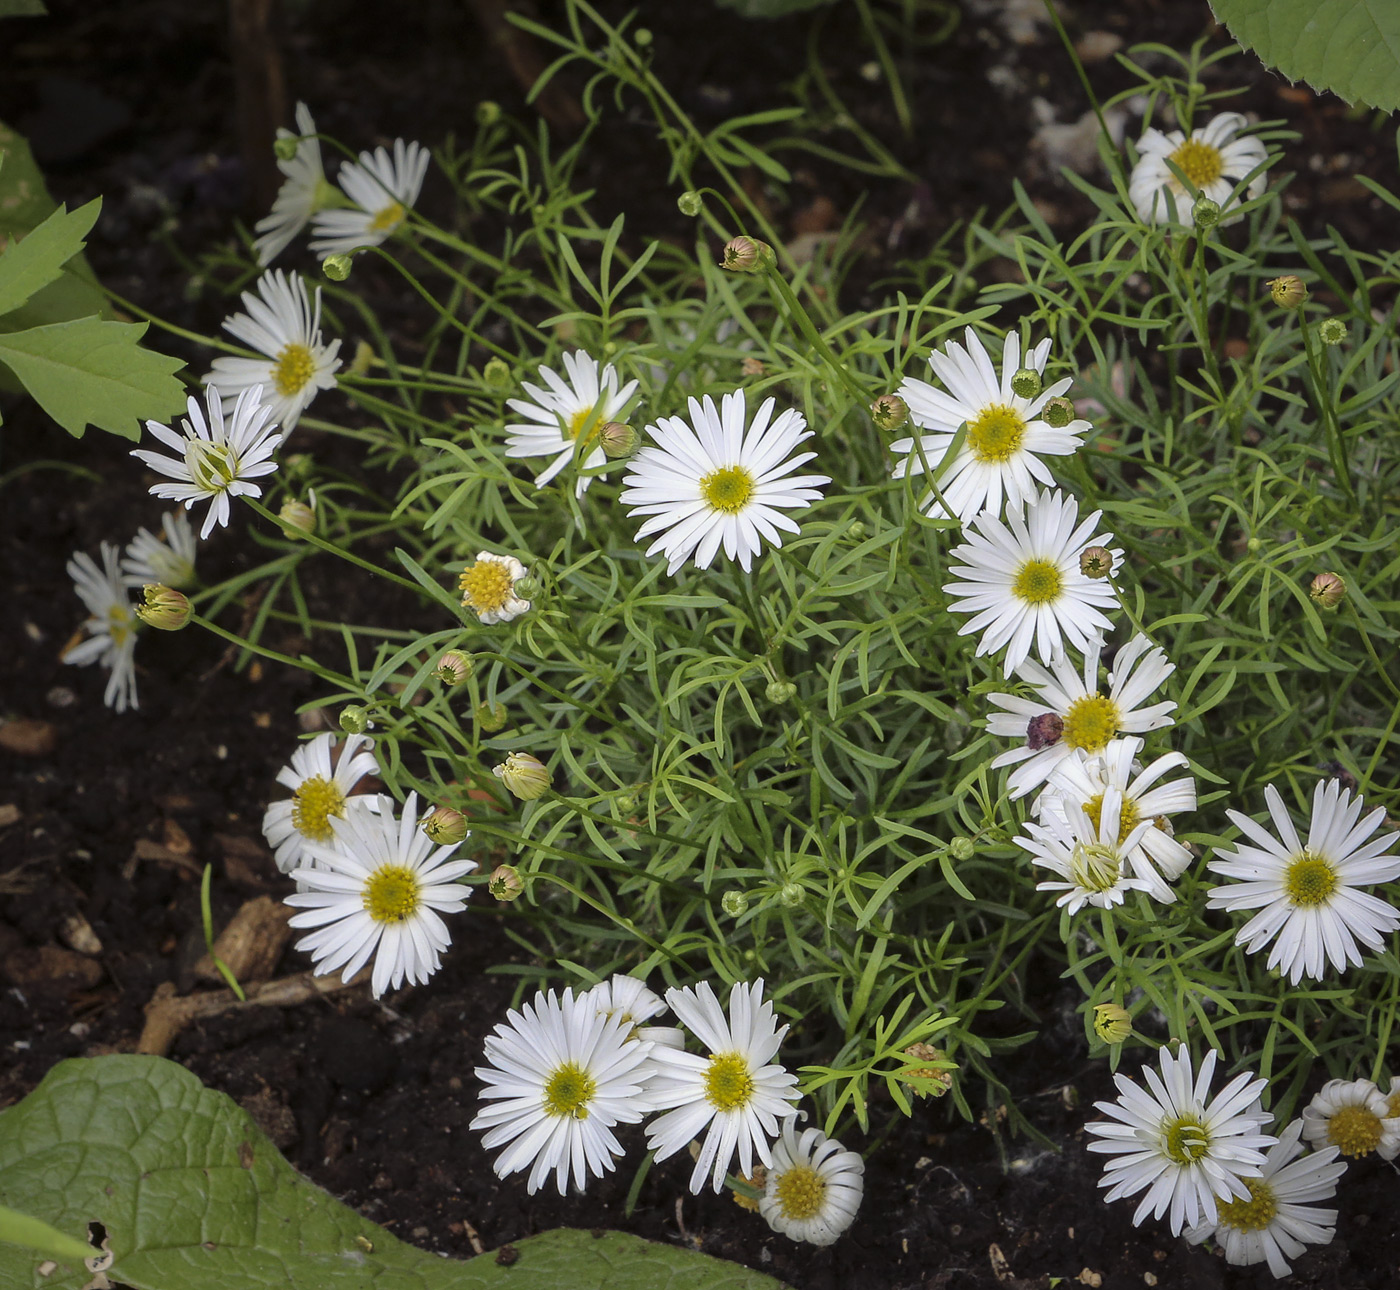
(1351, 47)
(89, 371)
(32, 262)
(192, 1195)
(24, 200)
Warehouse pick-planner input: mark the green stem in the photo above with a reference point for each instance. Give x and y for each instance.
(804, 323)
(1321, 391)
(341, 551)
(306, 665)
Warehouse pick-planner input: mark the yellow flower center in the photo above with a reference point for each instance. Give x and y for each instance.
(212, 466)
(1094, 867)
(388, 219)
(728, 489)
(997, 433)
(579, 421)
(1090, 723)
(1038, 582)
(486, 586)
(1310, 879)
(728, 1083)
(391, 894)
(1354, 1130)
(1128, 817)
(569, 1091)
(801, 1192)
(1394, 1105)
(120, 623)
(1185, 1139)
(1252, 1215)
(294, 367)
(1201, 163)
(314, 802)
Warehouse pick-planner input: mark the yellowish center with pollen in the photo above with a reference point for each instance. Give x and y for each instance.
(569, 1091)
(1128, 817)
(1201, 163)
(388, 219)
(1354, 1130)
(1185, 1139)
(293, 369)
(1038, 582)
(728, 1083)
(728, 489)
(996, 435)
(1394, 1105)
(579, 420)
(315, 801)
(120, 623)
(1254, 1214)
(1309, 879)
(486, 586)
(1090, 723)
(391, 894)
(212, 466)
(800, 1192)
(1094, 867)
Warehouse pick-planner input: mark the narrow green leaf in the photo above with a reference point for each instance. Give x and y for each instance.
(30, 1232)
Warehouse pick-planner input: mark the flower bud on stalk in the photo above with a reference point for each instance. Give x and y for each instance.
(491, 717)
(748, 255)
(961, 849)
(164, 608)
(336, 267)
(526, 777)
(618, 440)
(1333, 331)
(1096, 562)
(1112, 1024)
(1206, 213)
(779, 692)
(734, 903)
(690, 203)
(488, 112)
(889, 412)
(496, 372)
(354, 720)
(298, 518)
(445, 826)
(286, 147)
(453, 668)
(1288, 291)
(1057, 413)
(505, 883)
(1328, 590)
(1025, 383)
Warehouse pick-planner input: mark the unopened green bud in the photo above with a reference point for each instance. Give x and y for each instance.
(525, 776)
(286, 146)
(445, 826)
(791, 894)
(1328, 590)
(163, 607)
(618, 440)
(690, 203)
(855, 530)
(298, 518)
(1057, 413)
(642, 36)
(336, 267)
(496, 372)
(488, 112)
(889, 412)
(734, 903)
(1288, 291)
(1096, 562)
(961, 848)
(453, 668)
(626, 802)
(1025, 383)
(780, 691)
(1112, 1024)
(1205, 213)
(354, 720)
(1333, 331)
(491, 717)
(527, 588)
(505, 883)
(745, 254)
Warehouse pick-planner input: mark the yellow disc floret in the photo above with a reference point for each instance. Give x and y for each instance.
(800, 1192)
(391, 894)
(293, 369)
(1354, 1130)
(388, 219)
(1038, 582)
(212, 466)
(1252, 1215)
(315, 801)
(728, 489)
(996, 435)
(1094, 867)
(486, 586)
(569, 1091)
(729, 1083)
(1201, 163)
(1128, 816)
(1090, 723)
(1185, 1139)
(1309, 880)
(579, 420)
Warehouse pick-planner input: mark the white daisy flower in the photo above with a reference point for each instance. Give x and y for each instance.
(1084, 778)
(217, 459)
(1212, 159)
(111, 629)
(720, 482)
(1280, 1218)
(377, 891)
(299, 197)
(383, 189)
(1089, 853)
(1392, 1096)
(562, 1074)
(635, 1003)
(321, 791)
(1069, 714)
(1006, 436)
(1310, 894)
(170, 562)
(556, 417)
(737, 1089)
(488, 588)
(1187, 1149)
(1022, 584)
(286, 326)
(814, 1186)
(1355, 1117)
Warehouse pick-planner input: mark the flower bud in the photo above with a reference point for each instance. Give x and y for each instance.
(1288, 291)
(1333, 331)
(527, 588)
(1096, 562)
(1057, 413)
(748, 255)
(734, 903)
(642, 36)
(618, 440)
(889, 412)
(690, 203)
(164, 608)
(488, 112)
(525, 776)
(505, 883)
(453, 668)
(779, 692)
(1328, 590)
(297, 518)
(445, 826)
(961, 848)
(491, 717)
(791, 894)
(1044, 730)
(927, 1081)
(496, 372)
(626, 803)
(286, 146)
(1025, 383)
(1112, 1024)
(855, 530)
(1205, 213)
(336, 267)
(354, 719)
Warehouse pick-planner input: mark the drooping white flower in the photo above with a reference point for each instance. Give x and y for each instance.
(299, 197)
(1280, 1219)
(285, 325)
(556, 417)
(737, 1090)
(322, 788)
(1309, 896)
(111, 628)
(1212, 158)
(561, 1074)
(216, 458)
(636, 1003)
(488, 588)
(1355, 1117)
(1000, 459)
(720, 481)
(170, 562)
(383, 188)
(814, 1186)
(1070, 714)
(378, 890)
(1188, 1150)
(1020, 580)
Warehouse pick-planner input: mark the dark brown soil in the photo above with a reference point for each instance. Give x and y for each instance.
(373, 1100)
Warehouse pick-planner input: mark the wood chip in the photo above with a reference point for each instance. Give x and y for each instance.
(247, 862)
(9, 814)
(1001, 1269)
(51, 968)
(76, 932)
(252, 942)
(28, 737)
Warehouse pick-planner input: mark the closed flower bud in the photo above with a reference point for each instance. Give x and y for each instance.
(1333, 331)
(1328, 590)
(1206, 213)
(1025, 383)
(1112, 1024)
(961, 848)
(1096, 562)
(734, 903)
(889, 412)
(618, 440)
(525, 776)
(690, 203)
(505, 883)
(354, 719)
(1044, 730)
(855, 530)
(1288, 291)
(336, 267)
(927, 1081)
(286, 147)
(491, 717)
(298, 518)
(626, 803)
(164, 608)
(780, 691)
(445, 826)
(453, 668)
(1057, 413)
(791, 894)
(488, 112)
(747, 255)
(496, 372)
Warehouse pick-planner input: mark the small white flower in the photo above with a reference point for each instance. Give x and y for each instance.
(321, 792)
(170, 562)
(1279, 1220)
(286, 326)
(1212, 159)
(1021, 581)
(556, 417)
(1089, 853)
(1392, 1096)
(1006, 437)
(111, 629)
(299, 196)
(563, 1074)
(1187, 1149)
(1355, 1117)
(737, 1089)
(720, 482)
(633, 1001)
(1310, 894)
(814, 1186)
(378, 890)
(488, 588)
(384, 189)
(1069, 713)
(216, 459)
